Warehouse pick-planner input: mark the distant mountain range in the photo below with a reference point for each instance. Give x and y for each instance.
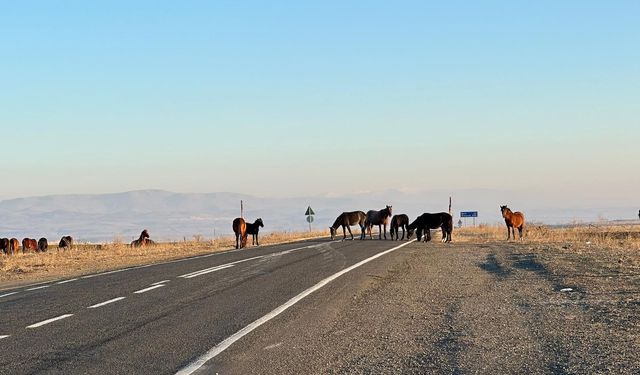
(174, 216)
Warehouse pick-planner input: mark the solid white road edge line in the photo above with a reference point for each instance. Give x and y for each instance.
(106, 302)
(161, 282)
(208, 270)
(148, 289)
(8, 294)
(38, 287)
(66, 281)
(3, 336)
(36, 325)
(191, 368)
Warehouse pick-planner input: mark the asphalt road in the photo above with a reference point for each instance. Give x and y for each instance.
(160, 319)
(321, 307)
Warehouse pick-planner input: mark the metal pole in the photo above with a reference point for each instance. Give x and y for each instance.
(449, 205)
(241, 209)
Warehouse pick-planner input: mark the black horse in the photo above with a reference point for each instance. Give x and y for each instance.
(43, 244)
(397, 222)
(426, 222)
(66, 242)
(253, 229)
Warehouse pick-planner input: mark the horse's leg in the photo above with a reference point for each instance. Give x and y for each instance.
(349, 229)
(236, 240)
(428, 235)
(402, 233)
(384, 227)
(508, 233)
(257, 242)
(520, 229)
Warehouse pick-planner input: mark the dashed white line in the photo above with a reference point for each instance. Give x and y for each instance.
(213, 352)
(38, 287)
(8, 294)
(106, 302)
(36, 325)
(3, 336)
(66, 281)
(161, 282)
(206, 271)
(148, 289)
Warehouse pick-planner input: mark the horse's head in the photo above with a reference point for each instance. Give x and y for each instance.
(259, 222)
(504, 209)
(144, 234)
(390, 210)
(410, 233)
(333, 232)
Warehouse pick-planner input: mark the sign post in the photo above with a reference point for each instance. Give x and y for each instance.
(309, 213)
(473, 214)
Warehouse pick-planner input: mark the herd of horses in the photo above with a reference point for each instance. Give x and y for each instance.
(11, 246)
(421, 226)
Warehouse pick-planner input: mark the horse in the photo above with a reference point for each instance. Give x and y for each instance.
(379, 218)
(4, 246)
(143, 240)
(513, 220)
(240, 229)
(346, 219)
(43, 244)
(427, 221)
(14, 245)
(66, 242)
(29, 244)
(397, 222)
(253, 229)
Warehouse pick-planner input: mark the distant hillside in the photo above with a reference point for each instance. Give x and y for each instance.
(174, 216)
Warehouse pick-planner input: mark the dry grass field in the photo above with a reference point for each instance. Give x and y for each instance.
(85, 259)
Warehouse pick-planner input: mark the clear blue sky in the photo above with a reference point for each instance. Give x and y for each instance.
(286, 98)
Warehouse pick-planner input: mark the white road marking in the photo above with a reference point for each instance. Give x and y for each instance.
(106, 302)
(148, 289)
(38, 287)
(205, 271)
(213, 352)
(66, 281)
(3, 336)
(8, 294)
(161, 282)
(49, 321)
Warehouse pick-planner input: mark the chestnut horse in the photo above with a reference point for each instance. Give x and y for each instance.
(14, 245)
(29, 244)
(346, 219)
(397, 222)
(513, 220)
(240, 229)
(379, 218)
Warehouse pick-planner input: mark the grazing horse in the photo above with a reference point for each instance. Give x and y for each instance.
(66, 242)
(346, 219)
(240, 229)
(253, 229)
(4, 246)
(426, 222)
(14, 245)
(43, 244)
(379, 218)
(513, 220)
(397, 222)
(29, 244)
(143, 240)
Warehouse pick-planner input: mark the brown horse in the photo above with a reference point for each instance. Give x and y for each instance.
(14, 245)
(143, 240)
(397, 222)
(379, 218)
(240, 229)
(513, 220)
(29, 244)
(66, 242)
(346, 219)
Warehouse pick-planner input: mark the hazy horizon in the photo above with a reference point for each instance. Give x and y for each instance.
(290, 99)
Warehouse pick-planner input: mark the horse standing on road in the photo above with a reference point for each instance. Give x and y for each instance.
(346, 219)
(397, 222)
(426, 222)
(513, 220)
(379, 218)
(240, 230)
